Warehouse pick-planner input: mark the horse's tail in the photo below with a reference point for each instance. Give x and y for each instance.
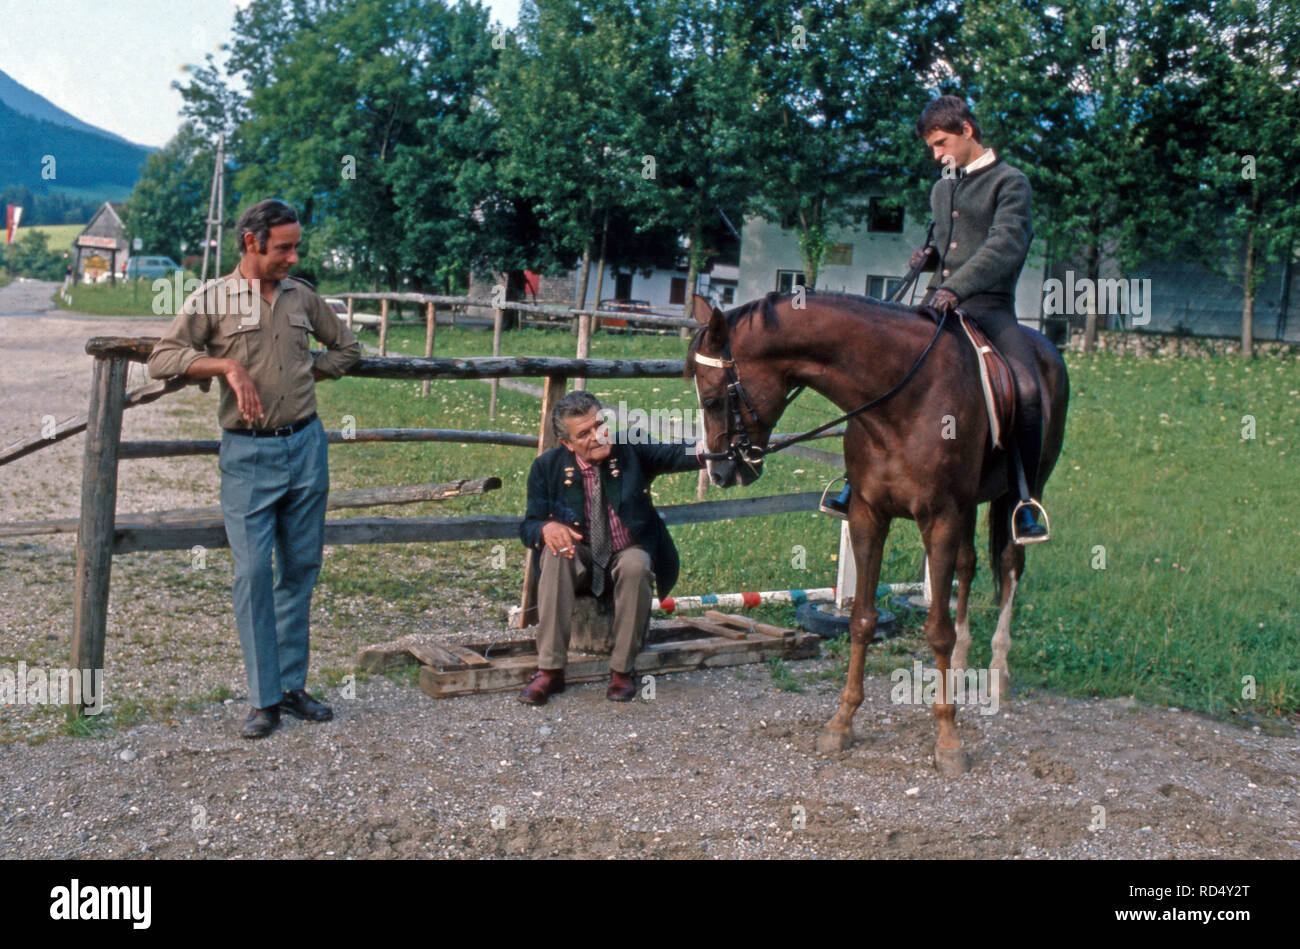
(1000, 537)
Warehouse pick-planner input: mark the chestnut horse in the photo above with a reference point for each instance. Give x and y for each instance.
(922, 452)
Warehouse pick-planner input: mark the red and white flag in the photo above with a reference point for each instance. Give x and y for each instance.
(13, 214)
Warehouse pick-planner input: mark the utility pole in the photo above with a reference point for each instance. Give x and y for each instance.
(216, 202)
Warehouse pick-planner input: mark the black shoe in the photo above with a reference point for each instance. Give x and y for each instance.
(837, 507)
(261, 722)
(1026, 529)
(301, 705)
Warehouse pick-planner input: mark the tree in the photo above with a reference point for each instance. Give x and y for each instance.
(835, 89)
(1241, 171)
(169, 205)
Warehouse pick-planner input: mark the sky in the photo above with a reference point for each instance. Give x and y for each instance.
(112, 62)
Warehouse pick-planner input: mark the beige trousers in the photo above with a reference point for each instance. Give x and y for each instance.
(631, 573)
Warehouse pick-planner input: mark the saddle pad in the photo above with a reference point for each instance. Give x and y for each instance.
(995, 378)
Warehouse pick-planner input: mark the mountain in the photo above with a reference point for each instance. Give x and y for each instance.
(25, 102)
(46, 150)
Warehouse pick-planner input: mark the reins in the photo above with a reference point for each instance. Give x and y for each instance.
(744, 450)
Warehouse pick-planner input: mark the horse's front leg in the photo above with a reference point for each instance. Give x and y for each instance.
(944, 537)
(868, 532)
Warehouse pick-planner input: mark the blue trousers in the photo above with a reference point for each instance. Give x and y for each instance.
(273, 494)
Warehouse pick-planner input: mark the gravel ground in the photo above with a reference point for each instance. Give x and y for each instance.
(719, 763)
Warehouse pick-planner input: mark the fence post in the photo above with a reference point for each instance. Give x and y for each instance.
(431, 322)
(584, 344)
(497, 316)
(349, 313)
(94, 557)
(546, 440)
(383, 327)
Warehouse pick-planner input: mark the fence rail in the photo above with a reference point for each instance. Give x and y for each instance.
(101, 534)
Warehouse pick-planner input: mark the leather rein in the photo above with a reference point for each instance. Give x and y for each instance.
(741, 450)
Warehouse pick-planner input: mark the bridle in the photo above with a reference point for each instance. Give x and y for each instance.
(740, 449)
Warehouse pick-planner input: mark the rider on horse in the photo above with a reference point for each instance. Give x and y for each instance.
(981, 208)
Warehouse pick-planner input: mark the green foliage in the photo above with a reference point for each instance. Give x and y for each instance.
(168, 208)
(31, 256)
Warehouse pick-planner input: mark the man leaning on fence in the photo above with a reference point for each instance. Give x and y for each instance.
(595, 530)
(249, 329)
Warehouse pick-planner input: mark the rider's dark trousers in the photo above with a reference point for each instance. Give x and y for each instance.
(996, 316)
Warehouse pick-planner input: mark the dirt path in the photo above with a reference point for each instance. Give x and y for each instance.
(719, 763)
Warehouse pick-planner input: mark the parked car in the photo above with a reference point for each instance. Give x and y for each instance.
(150, 268)
(619, 306)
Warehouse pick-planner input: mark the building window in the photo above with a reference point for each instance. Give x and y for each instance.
(882, 287)
(787, 280)
(882, 219)
(623, 286)
(839, 255)
(728, 293)
(677, 292)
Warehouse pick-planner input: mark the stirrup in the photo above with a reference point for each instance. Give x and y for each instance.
(1047, 524)
(826, 508)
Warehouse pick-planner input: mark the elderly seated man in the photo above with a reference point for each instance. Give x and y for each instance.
(594, 528)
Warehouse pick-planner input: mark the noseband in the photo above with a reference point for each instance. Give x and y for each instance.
(739, 447)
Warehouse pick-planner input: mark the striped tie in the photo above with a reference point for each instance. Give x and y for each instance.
(601, 545)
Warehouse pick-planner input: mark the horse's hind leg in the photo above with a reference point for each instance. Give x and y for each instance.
(868, 534)
(944, 537)
(965, 574)
(1012, 567)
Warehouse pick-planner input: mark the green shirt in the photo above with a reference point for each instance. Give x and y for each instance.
(228, 319)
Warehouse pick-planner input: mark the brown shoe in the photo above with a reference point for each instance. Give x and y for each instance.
(543, 684)
(622, 687)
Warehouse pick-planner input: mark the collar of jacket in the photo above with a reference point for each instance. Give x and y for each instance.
(963, 173)
(613, 486)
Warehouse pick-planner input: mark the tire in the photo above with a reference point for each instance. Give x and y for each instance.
(822, 619)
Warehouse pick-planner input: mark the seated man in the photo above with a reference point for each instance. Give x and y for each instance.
(594, 529)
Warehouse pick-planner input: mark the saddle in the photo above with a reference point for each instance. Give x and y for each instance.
(996, 380)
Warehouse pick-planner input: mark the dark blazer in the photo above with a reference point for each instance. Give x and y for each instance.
(626, 477)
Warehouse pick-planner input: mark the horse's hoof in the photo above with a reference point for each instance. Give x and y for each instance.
(951, 761)
(831, 741)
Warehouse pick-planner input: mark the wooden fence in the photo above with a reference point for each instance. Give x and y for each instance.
(101, 534)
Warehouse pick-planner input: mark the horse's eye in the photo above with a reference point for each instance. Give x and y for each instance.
(711, 404)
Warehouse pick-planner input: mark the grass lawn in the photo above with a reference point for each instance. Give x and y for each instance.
(59, 236)
(1173, 573)
(125, 298)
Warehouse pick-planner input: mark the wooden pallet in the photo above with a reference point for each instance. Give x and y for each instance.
(680, 644)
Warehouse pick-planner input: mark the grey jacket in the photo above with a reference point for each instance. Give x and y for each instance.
(982, 230)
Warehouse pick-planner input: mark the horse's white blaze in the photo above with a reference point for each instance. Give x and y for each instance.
(704, 424)
(1002, 635)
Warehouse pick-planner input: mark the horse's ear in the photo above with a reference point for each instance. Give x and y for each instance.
(706, 314)
(702, 309)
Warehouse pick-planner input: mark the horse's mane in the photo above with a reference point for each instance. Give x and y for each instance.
(765, 308)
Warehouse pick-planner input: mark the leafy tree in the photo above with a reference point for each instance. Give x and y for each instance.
(32, 257)
(169, 205)
(1242, 96)
(835, 89)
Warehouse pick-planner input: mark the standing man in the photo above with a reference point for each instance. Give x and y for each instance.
(594, 529)
(249, 328)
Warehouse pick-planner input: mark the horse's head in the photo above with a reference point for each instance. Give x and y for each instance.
(740, 395)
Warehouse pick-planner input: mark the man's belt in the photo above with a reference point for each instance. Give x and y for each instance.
(280, 432)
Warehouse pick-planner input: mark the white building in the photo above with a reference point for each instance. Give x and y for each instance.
(870, 260)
